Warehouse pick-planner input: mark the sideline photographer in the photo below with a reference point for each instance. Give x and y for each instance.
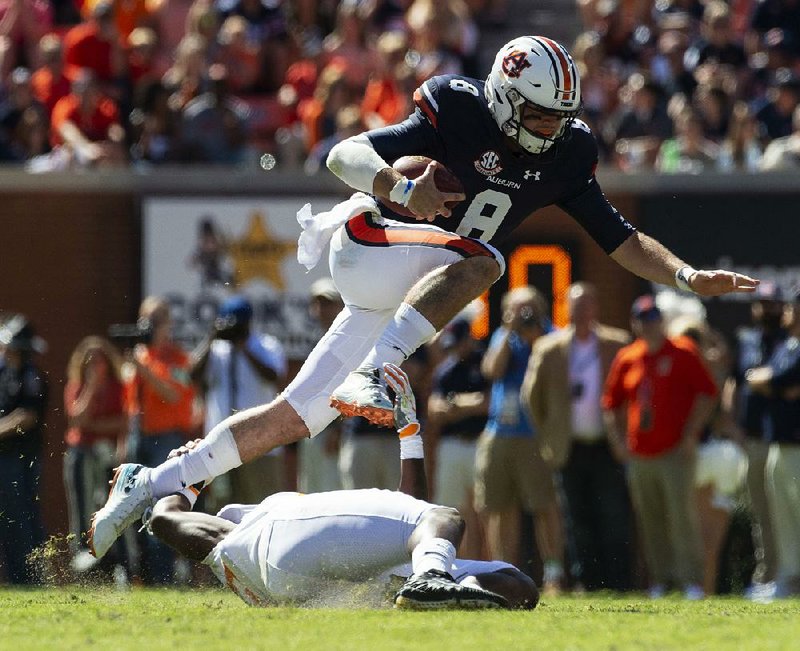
(510, 472)
(160, 399)
(237, 369)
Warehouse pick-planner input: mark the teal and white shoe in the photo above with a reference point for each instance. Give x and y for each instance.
(127, 500)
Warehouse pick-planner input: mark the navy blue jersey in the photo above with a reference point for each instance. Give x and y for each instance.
(452, 125)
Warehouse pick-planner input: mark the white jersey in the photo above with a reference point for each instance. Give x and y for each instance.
(290, 545)
(294, 547)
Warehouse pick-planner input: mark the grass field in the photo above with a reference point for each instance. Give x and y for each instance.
(80, 618)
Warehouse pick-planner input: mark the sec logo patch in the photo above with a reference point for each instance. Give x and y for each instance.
(489, 163)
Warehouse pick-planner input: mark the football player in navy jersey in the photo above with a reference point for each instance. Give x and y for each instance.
(515, 143)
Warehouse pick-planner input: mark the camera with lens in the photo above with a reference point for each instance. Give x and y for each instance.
(128, 335)
(528, 318)
(231, 327)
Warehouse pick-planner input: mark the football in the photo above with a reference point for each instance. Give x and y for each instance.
(413, 167)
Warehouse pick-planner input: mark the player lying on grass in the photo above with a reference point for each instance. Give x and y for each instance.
(293, 548)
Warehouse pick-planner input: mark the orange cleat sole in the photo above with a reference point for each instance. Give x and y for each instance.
(380, 417)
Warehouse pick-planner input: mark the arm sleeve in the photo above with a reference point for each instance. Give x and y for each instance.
(598, 217)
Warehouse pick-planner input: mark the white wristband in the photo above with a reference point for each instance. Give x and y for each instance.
(683, 276)
(402, 190)
(411, 447)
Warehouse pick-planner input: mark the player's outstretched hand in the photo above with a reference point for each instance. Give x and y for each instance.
(184, 449)
(719, 281)
(427, 200)
(405, 405)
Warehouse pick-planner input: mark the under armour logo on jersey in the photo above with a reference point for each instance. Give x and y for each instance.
(489, 163)
(515, 63)
(529, 174)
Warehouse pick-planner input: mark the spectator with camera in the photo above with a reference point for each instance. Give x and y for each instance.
(160, 398)
(236, 369)
(23, 400)
(511, 474)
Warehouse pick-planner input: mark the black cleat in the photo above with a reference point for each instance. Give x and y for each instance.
(436, 590)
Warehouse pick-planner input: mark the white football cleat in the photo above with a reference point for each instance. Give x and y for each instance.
(363, 393)
(127, 500)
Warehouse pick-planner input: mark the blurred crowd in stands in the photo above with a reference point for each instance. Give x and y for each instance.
(674, 85)
(661, 457)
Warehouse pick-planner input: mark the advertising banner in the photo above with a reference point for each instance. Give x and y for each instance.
(199, 251)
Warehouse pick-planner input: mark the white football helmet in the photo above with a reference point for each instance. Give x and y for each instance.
(537, 72)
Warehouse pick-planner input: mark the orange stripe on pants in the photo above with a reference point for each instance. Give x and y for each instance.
(363, 230)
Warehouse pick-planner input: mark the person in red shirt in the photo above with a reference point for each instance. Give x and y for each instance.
(88, 123)
(95, 44)
(49, 83)
(96, 434)
(661, 389)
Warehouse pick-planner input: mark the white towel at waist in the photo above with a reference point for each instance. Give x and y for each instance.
(318, 229)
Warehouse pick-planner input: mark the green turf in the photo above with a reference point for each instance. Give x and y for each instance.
(78, 618)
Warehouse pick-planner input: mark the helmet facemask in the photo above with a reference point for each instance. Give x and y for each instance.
(531, 141)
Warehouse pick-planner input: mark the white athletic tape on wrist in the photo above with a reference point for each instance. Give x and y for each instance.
(411, 447)
(683, 276)
(402, 190)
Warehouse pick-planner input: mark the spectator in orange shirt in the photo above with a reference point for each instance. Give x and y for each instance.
(95, 45)
(88, 124)
(384, 100)
(662, 389)
(160, 400)
(49, 82)
(128, 15)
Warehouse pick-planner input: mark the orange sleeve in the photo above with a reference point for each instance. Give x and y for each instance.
(310, 114)
(372, 97)
(62, 112)
(613, 391)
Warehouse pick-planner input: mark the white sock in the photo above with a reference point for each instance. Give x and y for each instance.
(407, 331)
(214, 456)
(433, 554)
(553, 571)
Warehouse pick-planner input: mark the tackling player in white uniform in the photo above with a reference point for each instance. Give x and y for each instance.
(516, 146)
(295, 548)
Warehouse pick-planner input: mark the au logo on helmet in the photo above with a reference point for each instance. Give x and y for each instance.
(515, 63)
